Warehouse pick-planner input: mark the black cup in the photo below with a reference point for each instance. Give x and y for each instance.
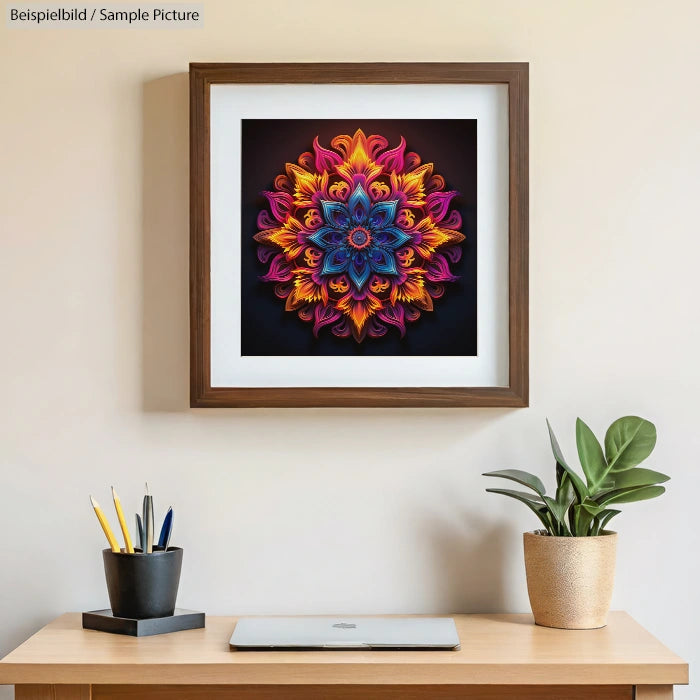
(141, 586)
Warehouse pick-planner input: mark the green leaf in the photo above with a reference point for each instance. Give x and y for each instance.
(565, 498)
(605, 517)
(558, 511)
(633, 495)
(628, 442)
(602, 520)
(636, 477)
(556, 449)
(520, 495)
(565, 490)
(582, 521)
(592, 507)
(551, 526)
(533, 503)
(591, 455)
(521, 477)
(576, 480)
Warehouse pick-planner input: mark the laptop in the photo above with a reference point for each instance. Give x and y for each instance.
(296, 633)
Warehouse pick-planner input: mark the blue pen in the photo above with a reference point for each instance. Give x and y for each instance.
(166, 530)
(139, 529)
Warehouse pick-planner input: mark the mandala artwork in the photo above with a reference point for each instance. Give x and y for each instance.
(359, 236)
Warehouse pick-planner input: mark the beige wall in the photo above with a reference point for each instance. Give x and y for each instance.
(275, 514)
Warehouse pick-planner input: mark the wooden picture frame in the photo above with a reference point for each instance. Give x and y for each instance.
(205, 75)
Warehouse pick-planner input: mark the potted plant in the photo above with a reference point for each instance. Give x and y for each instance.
(570, 562)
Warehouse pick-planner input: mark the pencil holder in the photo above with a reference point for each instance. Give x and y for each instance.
(142, 586)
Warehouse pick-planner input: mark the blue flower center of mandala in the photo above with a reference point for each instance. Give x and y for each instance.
(359, 238)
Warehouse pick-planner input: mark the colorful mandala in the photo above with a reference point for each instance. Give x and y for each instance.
(359, 237)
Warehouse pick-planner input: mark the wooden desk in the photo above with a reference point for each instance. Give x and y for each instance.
(502, 656)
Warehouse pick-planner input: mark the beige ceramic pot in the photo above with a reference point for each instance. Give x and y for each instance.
(570, 579)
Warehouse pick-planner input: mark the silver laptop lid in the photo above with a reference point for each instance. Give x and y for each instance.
(345, 633)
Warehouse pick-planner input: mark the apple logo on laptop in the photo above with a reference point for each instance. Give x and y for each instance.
(345, 625)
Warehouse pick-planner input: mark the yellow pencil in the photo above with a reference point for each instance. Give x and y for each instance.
(105, 525)
(122, 523)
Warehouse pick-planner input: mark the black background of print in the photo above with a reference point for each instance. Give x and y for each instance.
(267, 329)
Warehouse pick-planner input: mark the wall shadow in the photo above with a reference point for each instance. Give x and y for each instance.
(469, 563)
(165, 244)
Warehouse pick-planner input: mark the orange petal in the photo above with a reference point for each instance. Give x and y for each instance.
(305, 291)
(306, 184)
(434, 236)
(413, 291)
(357, 157)
(359, 310)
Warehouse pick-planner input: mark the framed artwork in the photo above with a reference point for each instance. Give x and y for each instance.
(359, 234)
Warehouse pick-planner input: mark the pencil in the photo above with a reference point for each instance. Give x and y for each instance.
(105, 525)
(122, 523)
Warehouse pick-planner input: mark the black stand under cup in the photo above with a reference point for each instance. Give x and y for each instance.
(142, 592)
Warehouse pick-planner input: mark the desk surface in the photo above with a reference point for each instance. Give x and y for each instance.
(496, 649)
